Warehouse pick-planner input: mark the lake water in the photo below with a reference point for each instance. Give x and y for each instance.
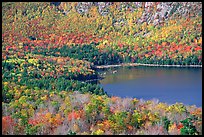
(170, 85)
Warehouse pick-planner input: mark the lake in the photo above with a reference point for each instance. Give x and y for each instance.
(167, 84)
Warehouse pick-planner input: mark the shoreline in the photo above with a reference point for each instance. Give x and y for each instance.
(139, 64)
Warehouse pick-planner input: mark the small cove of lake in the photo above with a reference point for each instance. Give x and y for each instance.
(167, 84)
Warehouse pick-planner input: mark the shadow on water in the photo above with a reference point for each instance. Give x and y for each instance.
(169, 85)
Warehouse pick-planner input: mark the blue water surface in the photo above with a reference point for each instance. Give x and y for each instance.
(169, 85)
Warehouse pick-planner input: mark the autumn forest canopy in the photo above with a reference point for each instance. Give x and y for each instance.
(50, 50)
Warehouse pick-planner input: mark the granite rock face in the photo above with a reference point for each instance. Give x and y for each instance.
(154, 12)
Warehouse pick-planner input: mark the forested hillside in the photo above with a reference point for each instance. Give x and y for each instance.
(50, 51)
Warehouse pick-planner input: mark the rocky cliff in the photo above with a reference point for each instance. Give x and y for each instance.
(153, 12)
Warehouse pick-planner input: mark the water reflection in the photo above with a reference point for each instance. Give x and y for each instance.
(169, 85)
(124, 74)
